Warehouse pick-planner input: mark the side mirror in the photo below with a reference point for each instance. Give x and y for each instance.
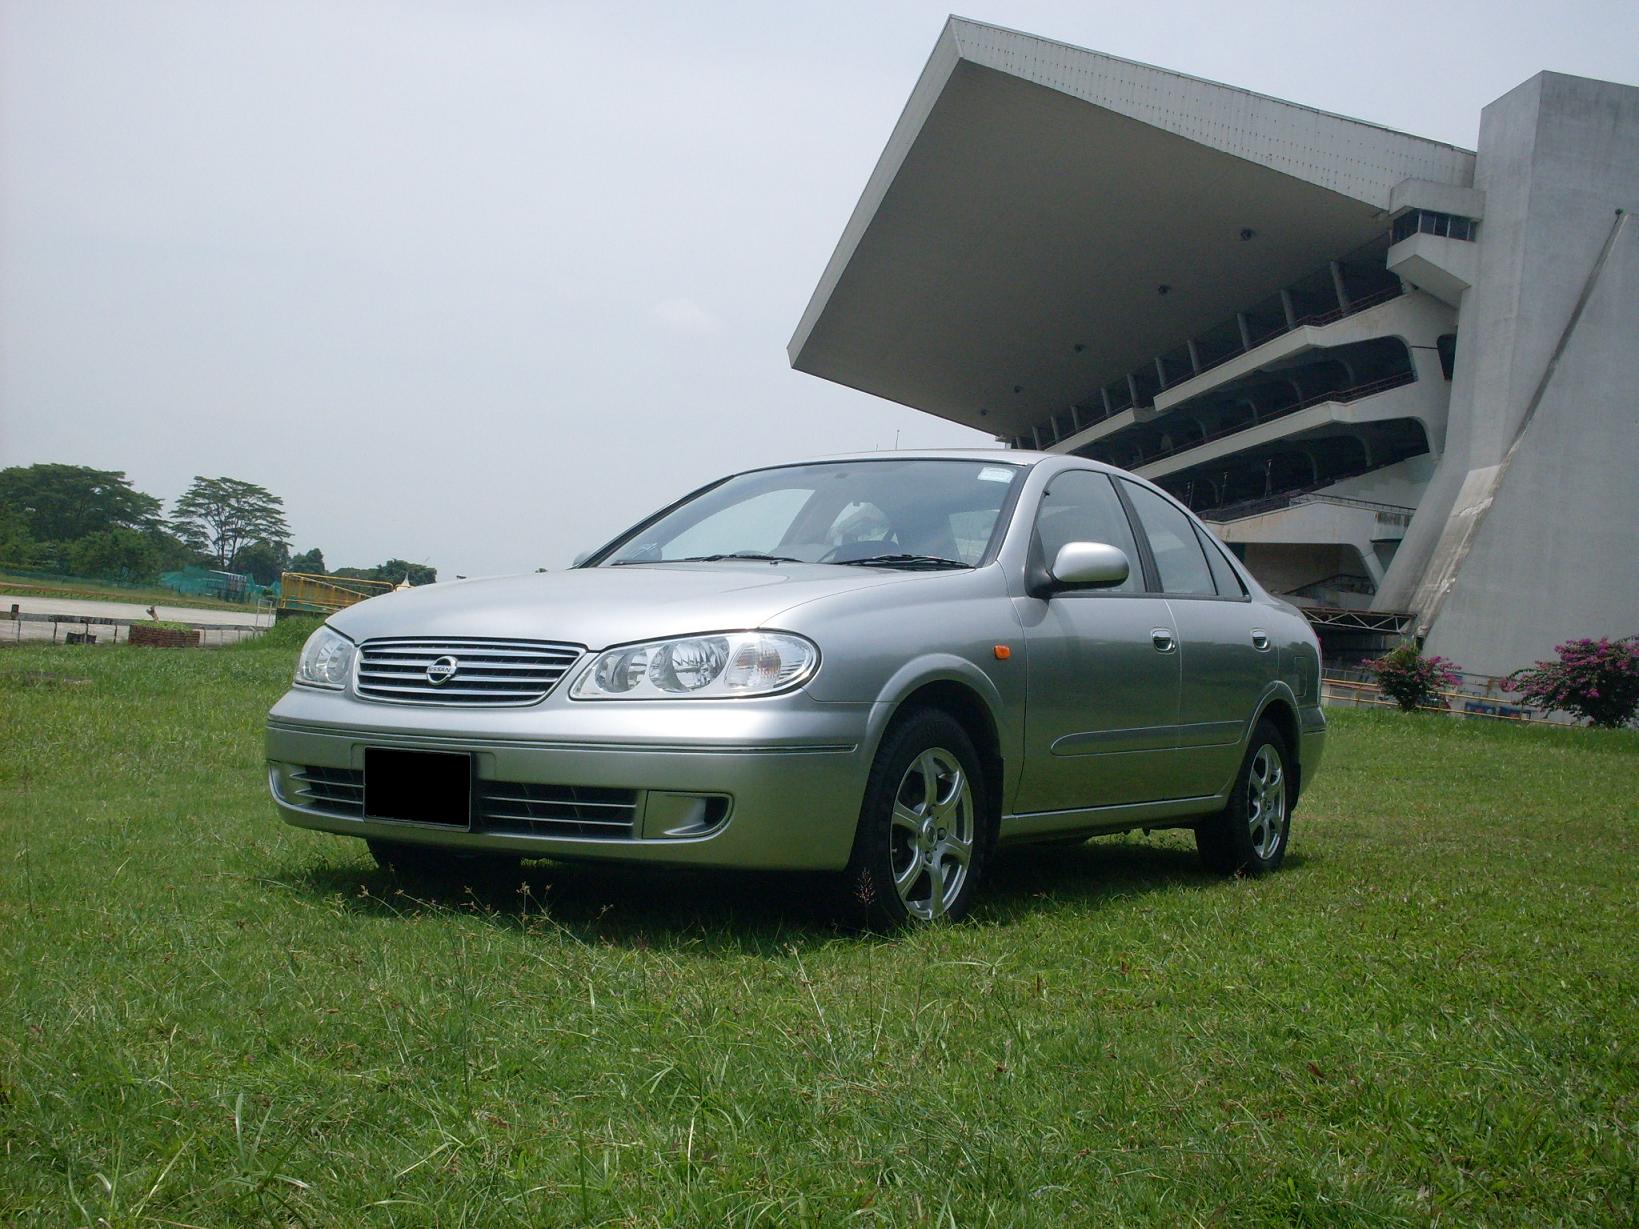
(1090, 565)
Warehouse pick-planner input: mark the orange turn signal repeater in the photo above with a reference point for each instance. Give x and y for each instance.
(1003, 652)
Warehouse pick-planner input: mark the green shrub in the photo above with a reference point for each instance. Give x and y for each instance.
(1597, 680)
(1411, 680)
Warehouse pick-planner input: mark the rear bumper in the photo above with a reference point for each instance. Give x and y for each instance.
(731, 784)
(1312, 744)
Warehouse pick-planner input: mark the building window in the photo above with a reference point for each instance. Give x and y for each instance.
(1446, 345)
(1428, 222)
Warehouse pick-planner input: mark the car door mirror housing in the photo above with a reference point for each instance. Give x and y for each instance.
(1090, 565)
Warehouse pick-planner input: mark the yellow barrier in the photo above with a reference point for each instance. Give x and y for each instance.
(304, 593)
(1355, 693)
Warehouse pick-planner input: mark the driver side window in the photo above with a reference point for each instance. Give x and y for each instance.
(1081, 506)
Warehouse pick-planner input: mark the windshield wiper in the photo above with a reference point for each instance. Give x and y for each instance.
(905, 561)
(738, 554)
(754, 556)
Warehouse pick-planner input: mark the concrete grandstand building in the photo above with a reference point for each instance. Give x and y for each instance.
(1400, 378)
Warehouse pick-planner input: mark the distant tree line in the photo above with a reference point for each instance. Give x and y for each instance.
(94, 523)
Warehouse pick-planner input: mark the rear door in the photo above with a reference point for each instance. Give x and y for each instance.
(1225, 656)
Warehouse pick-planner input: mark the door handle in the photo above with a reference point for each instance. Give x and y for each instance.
(1162, 638)
(1260, 640)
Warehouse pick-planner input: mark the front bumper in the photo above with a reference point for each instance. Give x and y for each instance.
(769, 784)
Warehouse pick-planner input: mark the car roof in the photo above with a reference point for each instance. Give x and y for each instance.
(1001, 456)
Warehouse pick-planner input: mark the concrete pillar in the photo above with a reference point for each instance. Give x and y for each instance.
(1160, 372)
(1337, 285)
(1075, 418)
(1194, 357)
(1132, 388)
(1314, 462)
(1246, 326)
(1109, 406)
(1286, 306)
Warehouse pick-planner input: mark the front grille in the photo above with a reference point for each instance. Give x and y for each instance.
(491, 672)
(557, 810)
(510, 808)
(336, 791)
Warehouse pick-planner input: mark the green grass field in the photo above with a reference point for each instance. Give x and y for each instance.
(208, 1018)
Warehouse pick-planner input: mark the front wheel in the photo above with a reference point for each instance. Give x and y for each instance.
(1249, 836)
(923, 829)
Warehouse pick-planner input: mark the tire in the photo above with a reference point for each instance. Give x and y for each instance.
(925, 829)
(1250, 835)
(432, 862)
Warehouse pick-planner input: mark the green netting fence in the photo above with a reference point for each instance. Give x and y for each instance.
(192, 581)
(225, 586)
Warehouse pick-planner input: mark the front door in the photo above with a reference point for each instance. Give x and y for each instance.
(1102, 710)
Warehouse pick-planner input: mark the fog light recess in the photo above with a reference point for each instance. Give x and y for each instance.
(674, 816)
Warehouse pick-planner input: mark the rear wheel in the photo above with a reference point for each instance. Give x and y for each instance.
(433, 862)
(924, 829)
(1249, 836)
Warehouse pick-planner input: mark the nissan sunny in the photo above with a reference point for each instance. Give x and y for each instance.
(882, 666)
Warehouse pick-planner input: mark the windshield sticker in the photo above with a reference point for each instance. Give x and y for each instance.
(996, 473)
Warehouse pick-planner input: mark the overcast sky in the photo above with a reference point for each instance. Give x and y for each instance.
(481, 283)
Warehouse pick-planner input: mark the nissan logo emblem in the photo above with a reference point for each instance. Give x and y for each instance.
(442, 671)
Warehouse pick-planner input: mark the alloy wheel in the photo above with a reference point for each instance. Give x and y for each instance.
(1266, 802)
(930, 843)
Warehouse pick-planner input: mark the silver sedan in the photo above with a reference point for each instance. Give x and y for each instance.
(882, 666)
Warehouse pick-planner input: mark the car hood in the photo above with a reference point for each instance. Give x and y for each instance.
(599, 607)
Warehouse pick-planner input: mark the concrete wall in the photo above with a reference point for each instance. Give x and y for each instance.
(1282, 566)
(1402, 484)
(1557, 554)
(1501, 563)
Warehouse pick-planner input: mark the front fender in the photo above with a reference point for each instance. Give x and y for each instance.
(1006, 712)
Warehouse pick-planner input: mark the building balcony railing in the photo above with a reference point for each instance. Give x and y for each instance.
(1080, 418)
(1387, 514)
(1355, 393)
(1312, 320)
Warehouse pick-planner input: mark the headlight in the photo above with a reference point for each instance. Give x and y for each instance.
(720, 666)
(326, 660)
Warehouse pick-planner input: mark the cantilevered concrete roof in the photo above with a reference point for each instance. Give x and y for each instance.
(1033, 198)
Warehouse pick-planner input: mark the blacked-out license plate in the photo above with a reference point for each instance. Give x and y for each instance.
(425, 787)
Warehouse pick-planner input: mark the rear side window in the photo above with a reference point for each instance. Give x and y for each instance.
(1178, 555)
(1229, 584)
(1082, 506)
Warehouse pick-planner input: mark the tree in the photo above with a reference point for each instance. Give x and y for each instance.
(114, 554)
(127, 554)
(397, 570)
(309, 561)
(16, 546)
(220, 515)
(263, 562)
(64, 503)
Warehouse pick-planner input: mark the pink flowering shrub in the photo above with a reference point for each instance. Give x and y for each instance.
(1595, 679)
(1411, 680)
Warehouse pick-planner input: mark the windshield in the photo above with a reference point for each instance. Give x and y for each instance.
(894, 513)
